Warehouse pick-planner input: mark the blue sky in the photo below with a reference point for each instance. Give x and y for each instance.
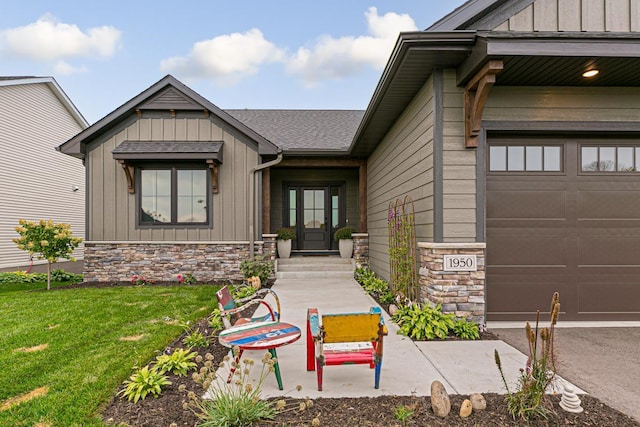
(293, 54)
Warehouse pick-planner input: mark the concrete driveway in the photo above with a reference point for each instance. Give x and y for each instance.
(603, 361)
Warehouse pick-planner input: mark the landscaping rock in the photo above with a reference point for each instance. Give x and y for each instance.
(570, 402)
(440, 403)
(466, 408)
(393, 309)
(478, 402)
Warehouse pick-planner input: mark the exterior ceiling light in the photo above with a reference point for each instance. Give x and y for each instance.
(590, 73)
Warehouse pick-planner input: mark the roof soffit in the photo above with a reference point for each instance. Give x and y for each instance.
(412, 61)
(556, 59)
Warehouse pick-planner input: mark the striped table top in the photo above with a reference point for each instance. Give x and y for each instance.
(260, 335)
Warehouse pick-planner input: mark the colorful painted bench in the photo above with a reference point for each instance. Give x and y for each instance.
(345, 339)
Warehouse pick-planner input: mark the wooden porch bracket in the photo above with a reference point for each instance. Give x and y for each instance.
(213, 166)
(475, 96)
(130, 174)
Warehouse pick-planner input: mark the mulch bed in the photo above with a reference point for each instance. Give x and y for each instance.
(365, 411)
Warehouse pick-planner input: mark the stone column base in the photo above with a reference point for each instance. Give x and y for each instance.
(361, 248)
(460, 289)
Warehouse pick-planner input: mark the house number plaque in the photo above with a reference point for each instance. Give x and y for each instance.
(460, 263)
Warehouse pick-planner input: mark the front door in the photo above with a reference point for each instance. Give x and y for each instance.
(315, 211)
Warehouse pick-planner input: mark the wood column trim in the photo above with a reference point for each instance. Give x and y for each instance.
(362, 197)
(476, 94)
(266, 200)
(130, 174)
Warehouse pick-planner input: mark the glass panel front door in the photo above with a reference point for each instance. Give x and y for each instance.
(315, 227)
(315, 211)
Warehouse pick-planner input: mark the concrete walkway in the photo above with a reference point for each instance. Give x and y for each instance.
(408, 368)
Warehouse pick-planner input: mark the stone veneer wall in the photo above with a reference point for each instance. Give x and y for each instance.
(269, 246)
(361, 248)
(163, 261)
(459, 292)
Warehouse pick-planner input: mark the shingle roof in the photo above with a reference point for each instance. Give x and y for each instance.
(180, 150)
(303, 130)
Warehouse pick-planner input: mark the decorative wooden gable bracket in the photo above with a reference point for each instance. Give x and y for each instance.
(475, 97)
(213, 166)
(130, 174)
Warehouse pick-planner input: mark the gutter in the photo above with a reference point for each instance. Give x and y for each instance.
(252, 196)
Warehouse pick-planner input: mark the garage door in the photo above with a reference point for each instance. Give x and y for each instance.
(563, 216)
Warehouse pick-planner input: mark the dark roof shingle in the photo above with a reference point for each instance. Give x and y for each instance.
(303, 130)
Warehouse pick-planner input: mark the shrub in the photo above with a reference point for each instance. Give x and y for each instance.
(403, 413)
(187, 279)
(21, 277)
(195, 339)
(259, 266)
(239, 292)
(425, 323)
(466, 330)
(215, 320)
(140, 280)
(144, 381)
(179, 362)
(529, 399)
(60, 275)
(370, 282)
(343, 233)
(286, 233)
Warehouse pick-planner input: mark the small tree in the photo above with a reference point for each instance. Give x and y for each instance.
(47, 241)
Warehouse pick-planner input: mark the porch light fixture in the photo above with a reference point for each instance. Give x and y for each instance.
(590, 73)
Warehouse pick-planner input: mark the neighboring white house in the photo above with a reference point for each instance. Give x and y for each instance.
(36, 181)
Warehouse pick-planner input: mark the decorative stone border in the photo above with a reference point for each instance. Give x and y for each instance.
(163, 261)
(459, 292)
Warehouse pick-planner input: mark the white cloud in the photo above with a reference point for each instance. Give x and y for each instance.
(65, 69)
(50, 40)
(226, 59)
(334, 58)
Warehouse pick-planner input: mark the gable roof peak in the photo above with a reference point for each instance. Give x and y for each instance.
(166, 94)
(479, 15)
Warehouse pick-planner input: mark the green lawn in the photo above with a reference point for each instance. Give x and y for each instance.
(85, 359)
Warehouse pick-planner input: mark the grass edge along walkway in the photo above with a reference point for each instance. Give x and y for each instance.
(75, 346)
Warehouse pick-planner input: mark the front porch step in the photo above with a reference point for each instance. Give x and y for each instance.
(317, 267)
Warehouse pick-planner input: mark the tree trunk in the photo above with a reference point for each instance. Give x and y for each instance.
(48, 275)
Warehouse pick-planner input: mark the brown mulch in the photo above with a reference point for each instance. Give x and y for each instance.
(365, 411)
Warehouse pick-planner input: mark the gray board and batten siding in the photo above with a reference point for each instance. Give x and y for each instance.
(112, 209)
(576, 15)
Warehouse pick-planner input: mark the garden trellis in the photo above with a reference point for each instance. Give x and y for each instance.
(402, 248)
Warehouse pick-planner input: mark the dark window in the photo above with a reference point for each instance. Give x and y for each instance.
(173, 196)
(525, 158)
(607, 158)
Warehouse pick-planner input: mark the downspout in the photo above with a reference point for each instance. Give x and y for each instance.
(252, 196)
